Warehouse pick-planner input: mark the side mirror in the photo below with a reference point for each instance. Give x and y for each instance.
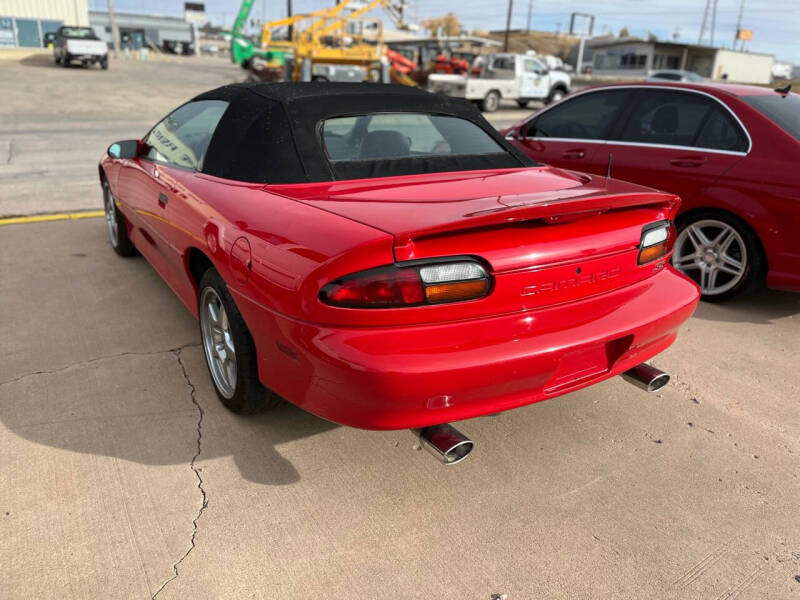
(125, 149)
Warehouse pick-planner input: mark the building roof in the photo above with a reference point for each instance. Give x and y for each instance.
(639, 40)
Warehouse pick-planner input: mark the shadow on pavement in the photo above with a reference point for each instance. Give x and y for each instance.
(140, 408)
(40, 60)
(763, 307)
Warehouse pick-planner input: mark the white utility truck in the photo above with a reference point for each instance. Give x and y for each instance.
(513, 76)
(79, 44)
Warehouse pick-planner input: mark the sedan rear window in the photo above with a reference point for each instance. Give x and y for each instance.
(389, 136)
(783, 109)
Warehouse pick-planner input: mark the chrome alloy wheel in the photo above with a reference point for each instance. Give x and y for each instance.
(713, 254)
(218, 342)
(111, 216)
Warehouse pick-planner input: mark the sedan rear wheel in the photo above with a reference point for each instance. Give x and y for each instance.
(229, 349)
(721, 255)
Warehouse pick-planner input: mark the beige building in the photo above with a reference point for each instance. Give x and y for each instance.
(26, 22)
(634, 57)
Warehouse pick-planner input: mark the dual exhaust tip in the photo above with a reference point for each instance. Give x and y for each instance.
(450, 446)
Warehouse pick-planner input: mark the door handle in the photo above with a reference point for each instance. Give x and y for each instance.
(577, 153)
(688, 161)
(162, 199)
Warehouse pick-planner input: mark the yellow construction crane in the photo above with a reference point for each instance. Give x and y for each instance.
(341, 38)
(335, 36)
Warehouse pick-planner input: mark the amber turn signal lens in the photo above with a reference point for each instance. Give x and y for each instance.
(652, 252)
(460, 290)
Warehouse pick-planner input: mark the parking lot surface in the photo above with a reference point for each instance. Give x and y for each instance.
(124, 477)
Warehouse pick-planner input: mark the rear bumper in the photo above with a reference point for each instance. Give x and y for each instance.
(402, 377)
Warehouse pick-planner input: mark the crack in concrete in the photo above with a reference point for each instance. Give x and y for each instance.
(82, 363)
(193, 466)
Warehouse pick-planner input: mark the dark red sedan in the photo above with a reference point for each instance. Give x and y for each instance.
(731, 152)
(384, 258)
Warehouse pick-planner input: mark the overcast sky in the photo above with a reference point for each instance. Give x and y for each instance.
(775, 23)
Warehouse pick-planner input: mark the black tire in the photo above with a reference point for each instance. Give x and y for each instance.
(319, 78)
(555, 95)
(523, 103)
(117, 226)
(65, 60)
(104, 63)
(56, 59)
(249, 395)
(753, 258)
(491, 102)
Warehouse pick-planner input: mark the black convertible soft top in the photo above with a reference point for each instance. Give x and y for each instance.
(271, 132)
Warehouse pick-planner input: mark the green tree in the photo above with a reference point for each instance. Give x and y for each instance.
(623, 33)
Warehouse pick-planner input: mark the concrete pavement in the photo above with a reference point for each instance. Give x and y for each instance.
(607, 492)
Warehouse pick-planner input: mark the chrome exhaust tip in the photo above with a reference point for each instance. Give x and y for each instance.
(446, 443)
(646, 377)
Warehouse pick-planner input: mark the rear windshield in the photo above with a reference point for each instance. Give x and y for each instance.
(79, 33)
(783, 109)
(391, 136)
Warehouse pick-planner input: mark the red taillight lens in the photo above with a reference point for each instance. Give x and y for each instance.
(394, 287)
(384, 288)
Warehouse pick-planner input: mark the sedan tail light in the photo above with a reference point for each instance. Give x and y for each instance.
(400, 286)
(657, 241)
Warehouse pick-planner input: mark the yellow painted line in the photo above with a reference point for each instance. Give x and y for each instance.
(53, 217)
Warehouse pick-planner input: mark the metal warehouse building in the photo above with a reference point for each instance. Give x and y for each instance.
(25, 22)
(635, 57)
(136, 30)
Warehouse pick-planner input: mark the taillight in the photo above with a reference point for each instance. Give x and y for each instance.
(657, 241)
(399, 286)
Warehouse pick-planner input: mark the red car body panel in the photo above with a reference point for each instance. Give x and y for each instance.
(570, 305)
(762, 186)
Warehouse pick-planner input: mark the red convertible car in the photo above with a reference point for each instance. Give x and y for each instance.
(382, 257)
(729, 151)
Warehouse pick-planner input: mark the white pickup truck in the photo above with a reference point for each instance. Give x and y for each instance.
(79, 44)
(514, 76)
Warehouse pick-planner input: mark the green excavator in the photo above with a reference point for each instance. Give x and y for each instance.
(243, 50)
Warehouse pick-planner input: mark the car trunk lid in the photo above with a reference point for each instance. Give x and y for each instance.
(547, 235)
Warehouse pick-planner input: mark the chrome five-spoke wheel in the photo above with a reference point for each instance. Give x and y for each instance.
(218, 342)
(111, 216)
(713, 254)
(116, 225)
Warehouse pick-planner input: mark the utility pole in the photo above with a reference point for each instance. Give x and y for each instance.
(713, 20)
(114, 28)
(508, 23)
(709, 13)
(530, 10)
(739, 26)
(289, 14)
(703, 24)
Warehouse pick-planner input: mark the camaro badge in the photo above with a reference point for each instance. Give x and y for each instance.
(571, 282)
